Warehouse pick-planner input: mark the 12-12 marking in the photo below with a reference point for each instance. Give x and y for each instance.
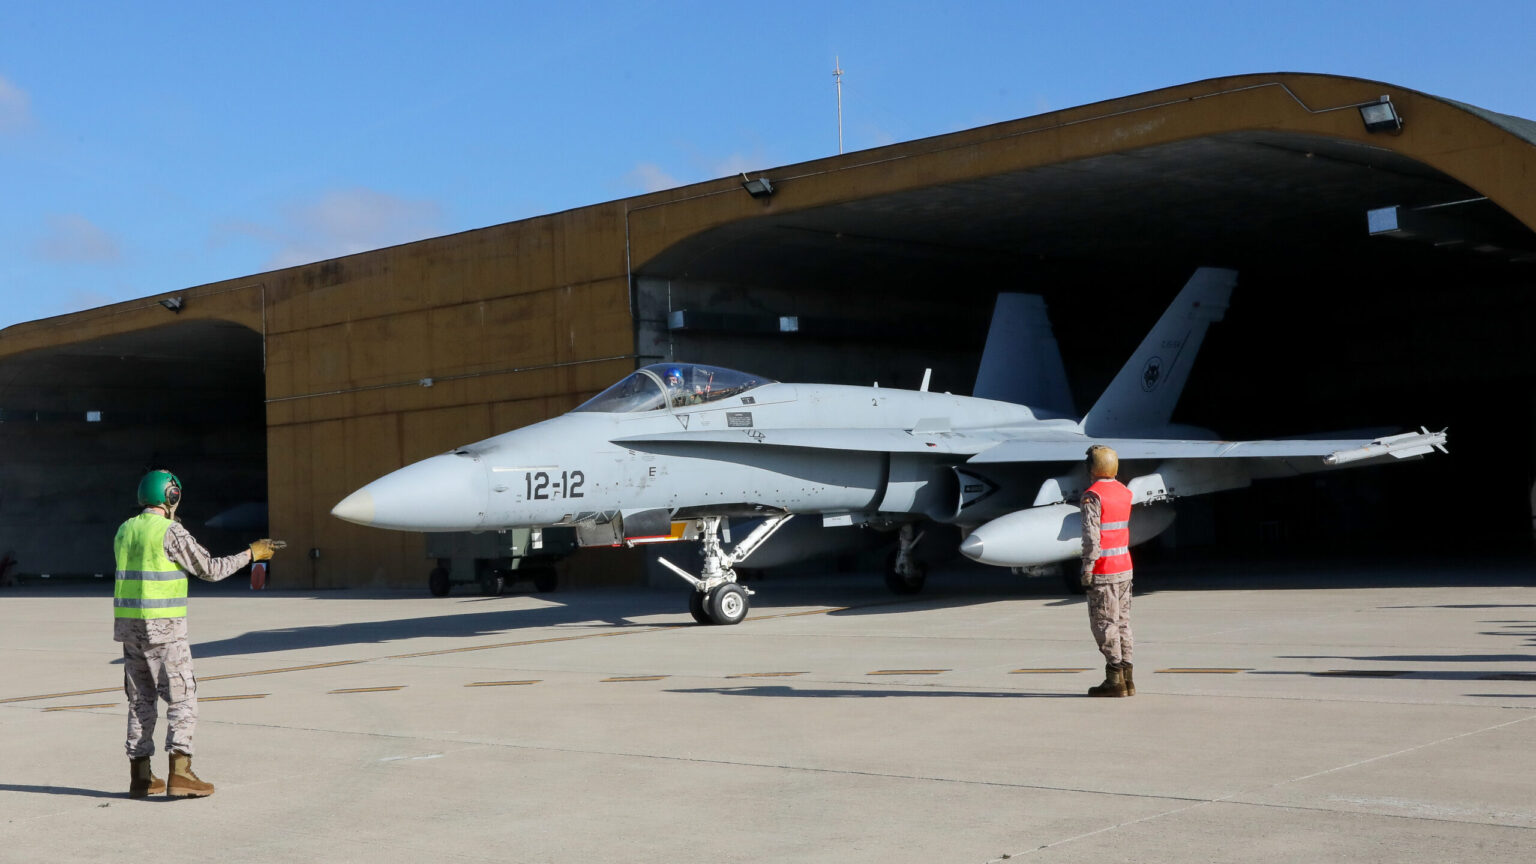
(541, 486)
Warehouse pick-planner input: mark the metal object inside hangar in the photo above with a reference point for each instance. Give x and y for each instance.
(874, 266)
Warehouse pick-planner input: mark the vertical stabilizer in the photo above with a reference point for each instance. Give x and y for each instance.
(1021, 362)
(1140, 400)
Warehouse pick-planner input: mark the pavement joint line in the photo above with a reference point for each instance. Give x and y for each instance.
(202, 699)
(467, 743)
(365, 689)
(1200, 670)
(501, 683)
(80, 707)
(766, 674)
(622, 678)
(1049, 671)
(908, 672)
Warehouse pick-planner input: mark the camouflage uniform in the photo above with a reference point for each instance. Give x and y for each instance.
(1109, 597)
(157, 660)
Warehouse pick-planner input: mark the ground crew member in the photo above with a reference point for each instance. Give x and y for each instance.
(154, 555)
(1107, 569)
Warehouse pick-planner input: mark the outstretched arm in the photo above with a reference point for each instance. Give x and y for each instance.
(190, 556)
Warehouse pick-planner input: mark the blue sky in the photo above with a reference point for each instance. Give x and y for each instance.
(151, 146)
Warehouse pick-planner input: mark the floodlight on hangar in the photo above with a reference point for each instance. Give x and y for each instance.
(1381, 116)
(174, 304)
(759, 188)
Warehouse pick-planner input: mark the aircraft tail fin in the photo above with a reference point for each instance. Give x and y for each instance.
(1141, 398)
(1021, 362)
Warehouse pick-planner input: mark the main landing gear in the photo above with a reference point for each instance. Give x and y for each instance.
(905, 573)
(716, 598)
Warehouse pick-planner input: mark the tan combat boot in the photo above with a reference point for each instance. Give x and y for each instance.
(142, 781)
(183, 783)
(1130, 683)
(1114, 685)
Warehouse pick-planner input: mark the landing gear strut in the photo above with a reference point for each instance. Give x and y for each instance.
(716, 598)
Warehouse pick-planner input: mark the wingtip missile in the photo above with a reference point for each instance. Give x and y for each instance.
(1404, 446)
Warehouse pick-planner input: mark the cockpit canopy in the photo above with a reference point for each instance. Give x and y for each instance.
(679, 385)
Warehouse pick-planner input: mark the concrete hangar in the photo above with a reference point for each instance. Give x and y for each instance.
(297, 386)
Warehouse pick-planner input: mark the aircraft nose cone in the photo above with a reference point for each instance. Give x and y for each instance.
(357, 507)
(443, 493)
(970, 547)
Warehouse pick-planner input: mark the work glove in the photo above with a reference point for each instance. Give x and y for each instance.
(263, 549)
(1087, 579)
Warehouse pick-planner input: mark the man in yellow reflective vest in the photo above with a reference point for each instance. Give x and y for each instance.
(1107, 569)
(154, 555)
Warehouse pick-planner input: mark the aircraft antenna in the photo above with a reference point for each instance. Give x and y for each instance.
(837, 76)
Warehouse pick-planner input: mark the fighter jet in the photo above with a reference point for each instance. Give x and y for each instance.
(675, 450)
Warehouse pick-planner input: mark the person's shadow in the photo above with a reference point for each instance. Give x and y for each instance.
(61, 790)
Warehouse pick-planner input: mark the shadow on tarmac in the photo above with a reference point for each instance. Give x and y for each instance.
(61, 790)
(453, 623)
(781, 691)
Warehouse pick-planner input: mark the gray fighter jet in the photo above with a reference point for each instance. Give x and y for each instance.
(675, 450)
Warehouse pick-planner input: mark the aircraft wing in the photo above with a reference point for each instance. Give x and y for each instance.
(1331, 451)
(876, 440)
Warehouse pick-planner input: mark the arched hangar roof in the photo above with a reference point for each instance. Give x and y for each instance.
(1244, 165)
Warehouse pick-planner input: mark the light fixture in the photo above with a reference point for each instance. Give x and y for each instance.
(1381, 116)
(173, 303)
(759, 188)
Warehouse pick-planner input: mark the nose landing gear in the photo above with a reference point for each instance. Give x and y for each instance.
(716, 597)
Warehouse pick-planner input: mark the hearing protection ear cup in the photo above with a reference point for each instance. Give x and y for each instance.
(172, 494)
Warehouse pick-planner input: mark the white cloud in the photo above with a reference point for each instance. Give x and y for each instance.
(649, 177)
(74, 239)
(15, 107)
(344, 222)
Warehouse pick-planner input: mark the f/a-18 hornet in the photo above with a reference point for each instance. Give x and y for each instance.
(675, 448)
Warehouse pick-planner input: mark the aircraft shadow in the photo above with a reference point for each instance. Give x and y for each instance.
(780, 691)
(504, 622)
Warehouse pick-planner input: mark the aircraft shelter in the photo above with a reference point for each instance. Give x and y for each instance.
(297, 386)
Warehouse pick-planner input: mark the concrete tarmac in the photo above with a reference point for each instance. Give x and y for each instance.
(1381, 716)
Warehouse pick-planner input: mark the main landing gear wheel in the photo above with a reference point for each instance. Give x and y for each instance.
(912, 583)
(728, 604)
(437, 582)
(909, 582)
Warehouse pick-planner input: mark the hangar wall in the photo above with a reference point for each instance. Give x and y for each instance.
(521, 321)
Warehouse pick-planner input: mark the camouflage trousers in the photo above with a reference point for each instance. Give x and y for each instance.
(161, 670)
(1109, 615)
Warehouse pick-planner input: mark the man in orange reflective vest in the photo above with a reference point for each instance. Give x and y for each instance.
(1107, 569)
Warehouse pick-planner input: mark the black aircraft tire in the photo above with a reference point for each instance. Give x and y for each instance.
(696, 608)
(437, 582)
(728, 604)
(904, 585)
(494, 583)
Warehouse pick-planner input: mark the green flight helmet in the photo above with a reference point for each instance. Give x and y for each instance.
(160, 488)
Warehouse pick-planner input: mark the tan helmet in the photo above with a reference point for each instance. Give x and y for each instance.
(1102, 462)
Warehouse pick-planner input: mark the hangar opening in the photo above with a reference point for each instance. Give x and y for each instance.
(1332, 329)
(81, 422)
